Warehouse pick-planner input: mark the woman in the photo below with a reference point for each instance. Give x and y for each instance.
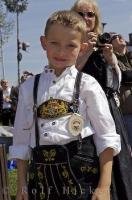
(89, 10)
(100, 62)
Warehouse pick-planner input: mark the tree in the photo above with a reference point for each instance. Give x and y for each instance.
(6, 27)
(17, 6)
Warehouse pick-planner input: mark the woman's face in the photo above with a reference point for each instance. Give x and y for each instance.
(89, 15)
(118, 42)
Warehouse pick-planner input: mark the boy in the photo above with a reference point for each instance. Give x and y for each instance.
(58, 120)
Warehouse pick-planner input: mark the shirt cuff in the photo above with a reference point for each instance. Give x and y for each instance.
(113, 142)
(19, 152)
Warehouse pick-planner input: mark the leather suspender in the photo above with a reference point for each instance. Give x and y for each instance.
(35, 90)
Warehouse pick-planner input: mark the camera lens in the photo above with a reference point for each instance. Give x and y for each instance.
(104, 38)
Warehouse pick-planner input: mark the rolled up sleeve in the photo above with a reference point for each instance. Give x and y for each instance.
(19, 152)
(111, 140)
(101, 119)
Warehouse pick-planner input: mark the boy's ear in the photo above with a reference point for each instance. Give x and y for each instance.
(43, 42)
(83, 49)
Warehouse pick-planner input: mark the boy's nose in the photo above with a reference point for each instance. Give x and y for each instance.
(61, 50)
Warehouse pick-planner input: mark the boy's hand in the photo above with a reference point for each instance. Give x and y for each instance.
(101, 194)
(22, 194)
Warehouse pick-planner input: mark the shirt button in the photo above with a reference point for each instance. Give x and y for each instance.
(53, 123)
(45, 134)
(54, 81)
(42, 125)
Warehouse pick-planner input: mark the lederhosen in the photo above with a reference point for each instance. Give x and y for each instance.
(68, 172)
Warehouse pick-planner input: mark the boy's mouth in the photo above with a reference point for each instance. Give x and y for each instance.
(60, 59)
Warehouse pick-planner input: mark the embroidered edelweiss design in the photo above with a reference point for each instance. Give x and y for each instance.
(49, 155)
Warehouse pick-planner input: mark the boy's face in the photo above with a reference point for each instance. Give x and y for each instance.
(63, 45)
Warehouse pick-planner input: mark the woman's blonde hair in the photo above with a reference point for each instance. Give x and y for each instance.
(69, 19)
(98, 25)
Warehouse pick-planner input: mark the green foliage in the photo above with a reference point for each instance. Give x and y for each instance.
(12, 178)
(16, 5)
(6, 26)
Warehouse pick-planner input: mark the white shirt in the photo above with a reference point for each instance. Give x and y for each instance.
(6, 93)
(93, 107)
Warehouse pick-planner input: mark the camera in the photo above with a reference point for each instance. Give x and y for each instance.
(102, 39)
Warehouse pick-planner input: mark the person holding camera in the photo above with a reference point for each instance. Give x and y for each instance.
(101, 62)
(99, 49)
(125, 64)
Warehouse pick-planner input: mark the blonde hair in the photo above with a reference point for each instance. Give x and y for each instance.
(98, 25)
(69, 19)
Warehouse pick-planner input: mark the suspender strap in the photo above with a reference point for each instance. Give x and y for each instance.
(76, 92)
(35, 90)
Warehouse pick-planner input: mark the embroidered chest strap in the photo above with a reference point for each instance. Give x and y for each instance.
(54, 108)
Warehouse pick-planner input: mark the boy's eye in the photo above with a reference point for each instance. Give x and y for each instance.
(54, 43)
(72, 45)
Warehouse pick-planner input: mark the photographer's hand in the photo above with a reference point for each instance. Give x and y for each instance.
(91, 40)
(108, 54)
(111, 59)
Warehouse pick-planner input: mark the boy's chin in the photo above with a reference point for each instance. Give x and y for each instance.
(59, 66)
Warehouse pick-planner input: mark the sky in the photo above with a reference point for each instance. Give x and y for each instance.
(116, 13)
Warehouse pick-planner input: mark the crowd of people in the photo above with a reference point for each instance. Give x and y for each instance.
(9, 99)
(83, 100)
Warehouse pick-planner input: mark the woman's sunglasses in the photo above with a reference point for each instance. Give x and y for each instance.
(116, 36)
(89, 14)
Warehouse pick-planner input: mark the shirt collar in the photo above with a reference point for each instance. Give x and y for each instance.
(69, 70)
